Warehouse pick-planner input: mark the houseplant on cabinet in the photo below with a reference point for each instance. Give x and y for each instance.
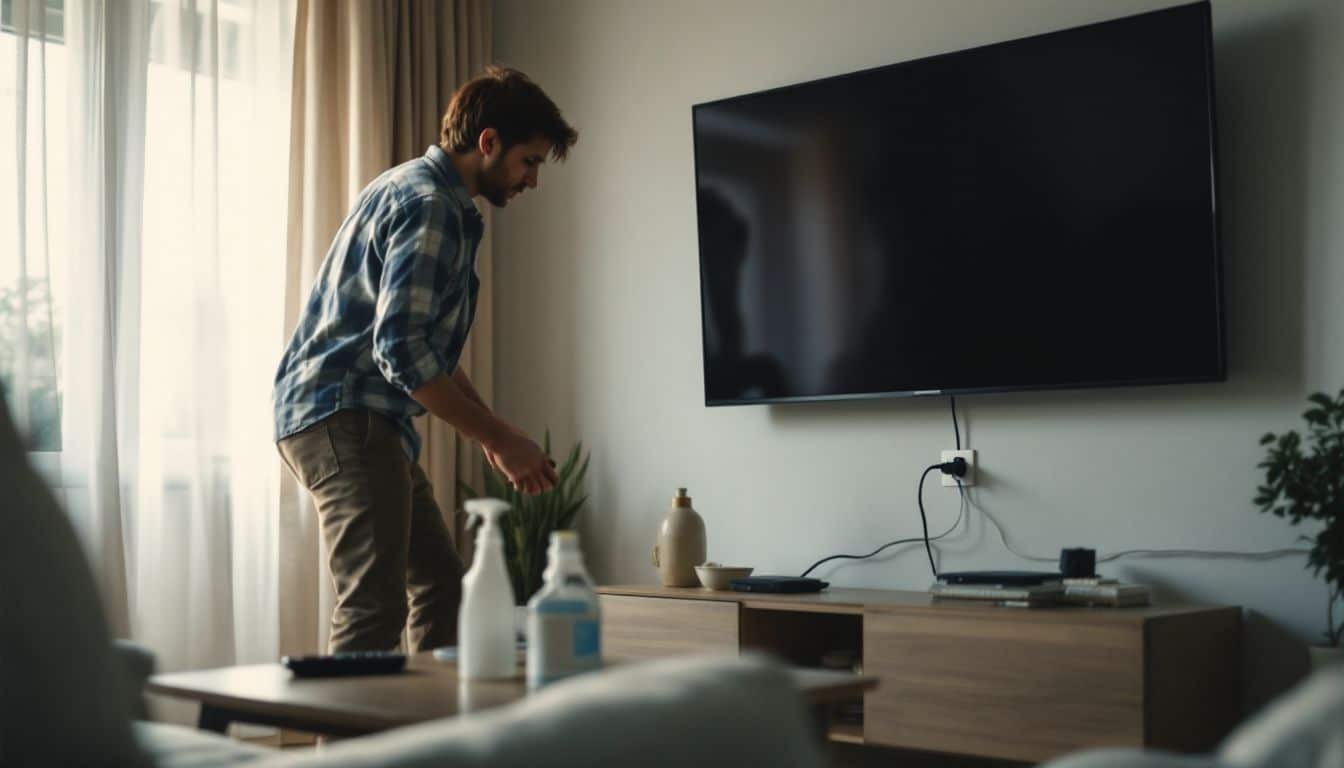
(1304, 480)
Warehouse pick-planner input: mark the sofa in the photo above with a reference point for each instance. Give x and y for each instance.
(70, 696)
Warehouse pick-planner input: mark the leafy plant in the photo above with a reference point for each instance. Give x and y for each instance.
(1304, 480)
(528, 525)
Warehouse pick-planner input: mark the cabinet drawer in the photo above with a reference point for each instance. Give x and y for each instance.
(653, 627)
(1006, 687)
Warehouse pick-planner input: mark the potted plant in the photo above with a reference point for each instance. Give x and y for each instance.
(1304, 480)
(528, 525)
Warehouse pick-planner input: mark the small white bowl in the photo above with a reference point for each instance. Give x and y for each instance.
(720, 577)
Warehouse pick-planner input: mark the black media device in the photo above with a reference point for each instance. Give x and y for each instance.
(778, 584)
(1004, 578)
(345, 664)
(1078, 563)
(1059, 190)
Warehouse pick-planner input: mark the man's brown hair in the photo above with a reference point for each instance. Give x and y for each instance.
(508, 101)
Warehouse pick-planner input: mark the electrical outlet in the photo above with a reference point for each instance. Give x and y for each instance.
(950, 481)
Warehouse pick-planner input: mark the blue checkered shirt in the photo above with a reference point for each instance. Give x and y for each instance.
(392, 303)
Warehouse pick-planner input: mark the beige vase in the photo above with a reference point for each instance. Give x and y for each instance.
(681, 544)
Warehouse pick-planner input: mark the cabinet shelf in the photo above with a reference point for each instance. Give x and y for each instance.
(848, 733)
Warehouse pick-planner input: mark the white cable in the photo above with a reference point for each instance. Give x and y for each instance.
(1216, 554)
(1004, 538)
(1268, 554)
(961, 511)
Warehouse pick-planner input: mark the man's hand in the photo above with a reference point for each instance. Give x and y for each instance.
(491, 459)
(522, 462)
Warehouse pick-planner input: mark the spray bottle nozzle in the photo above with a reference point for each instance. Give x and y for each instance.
(486, 511)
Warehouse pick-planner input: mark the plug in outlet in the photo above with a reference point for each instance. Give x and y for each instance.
(950, 481)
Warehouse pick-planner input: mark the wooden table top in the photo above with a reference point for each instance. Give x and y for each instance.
(427, 690)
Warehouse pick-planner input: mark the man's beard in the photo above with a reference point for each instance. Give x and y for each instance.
(494, 188)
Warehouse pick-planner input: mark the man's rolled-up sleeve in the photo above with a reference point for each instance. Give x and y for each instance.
(418, 269)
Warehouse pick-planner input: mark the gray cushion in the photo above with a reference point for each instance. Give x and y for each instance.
(63, 697)
(677, 713)
(173, 746)
(1131, 758)
(1304, 728)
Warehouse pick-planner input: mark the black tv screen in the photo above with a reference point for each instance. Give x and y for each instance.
(1033, 214)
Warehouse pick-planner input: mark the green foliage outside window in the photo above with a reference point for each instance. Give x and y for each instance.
(37, 334)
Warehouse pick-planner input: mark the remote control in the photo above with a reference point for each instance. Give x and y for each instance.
(350, 663)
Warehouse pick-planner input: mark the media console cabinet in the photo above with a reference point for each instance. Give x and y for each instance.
(969, 678)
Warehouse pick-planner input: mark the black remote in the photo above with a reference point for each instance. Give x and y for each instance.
(342, 664)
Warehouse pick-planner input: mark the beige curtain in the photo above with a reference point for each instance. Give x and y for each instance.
(371, 80)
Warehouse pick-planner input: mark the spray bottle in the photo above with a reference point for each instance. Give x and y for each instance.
(485, 622)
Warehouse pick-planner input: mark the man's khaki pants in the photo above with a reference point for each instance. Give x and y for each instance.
(391, 557)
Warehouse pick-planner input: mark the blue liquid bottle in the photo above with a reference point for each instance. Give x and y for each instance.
(564, 618)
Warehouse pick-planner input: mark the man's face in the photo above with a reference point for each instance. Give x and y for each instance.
(505, 173)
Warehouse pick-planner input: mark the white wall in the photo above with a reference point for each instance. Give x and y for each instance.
(599, 330)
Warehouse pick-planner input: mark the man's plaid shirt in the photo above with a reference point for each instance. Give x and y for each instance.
(392, 303)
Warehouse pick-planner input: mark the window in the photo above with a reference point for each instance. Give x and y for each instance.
(32, 220)
(53, 25)
(184, 31)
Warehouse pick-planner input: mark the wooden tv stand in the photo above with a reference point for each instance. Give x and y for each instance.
(971, 678)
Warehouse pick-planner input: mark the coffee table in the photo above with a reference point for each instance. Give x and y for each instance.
(269, 694)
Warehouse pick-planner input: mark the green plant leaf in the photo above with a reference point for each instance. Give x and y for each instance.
(494, 485)
(567, 465)
(572, 511)
(1321, 399)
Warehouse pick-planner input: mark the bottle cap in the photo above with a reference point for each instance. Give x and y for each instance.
(681, 499)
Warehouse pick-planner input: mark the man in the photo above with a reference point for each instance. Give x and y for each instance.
(378, 343)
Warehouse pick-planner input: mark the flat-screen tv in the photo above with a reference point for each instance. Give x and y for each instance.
(1032, 214)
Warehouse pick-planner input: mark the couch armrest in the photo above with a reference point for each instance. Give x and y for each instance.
(136, 664)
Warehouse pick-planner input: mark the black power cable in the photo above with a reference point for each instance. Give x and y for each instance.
(861, 557)
(956, 430)
(924, 520)
(956, 468)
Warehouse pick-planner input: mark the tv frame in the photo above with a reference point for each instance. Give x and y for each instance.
(1220, 299)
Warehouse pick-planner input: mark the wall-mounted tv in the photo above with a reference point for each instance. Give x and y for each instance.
(1032, 214)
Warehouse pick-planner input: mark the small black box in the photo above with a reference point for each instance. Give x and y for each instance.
(1078, 563)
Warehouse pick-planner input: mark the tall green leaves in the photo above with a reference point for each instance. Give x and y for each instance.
(528, 525)
(1304, 480)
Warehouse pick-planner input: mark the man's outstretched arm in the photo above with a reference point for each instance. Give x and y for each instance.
(463, 383)
(520, 459)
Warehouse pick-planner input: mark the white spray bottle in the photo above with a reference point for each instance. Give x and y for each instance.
(485, 622)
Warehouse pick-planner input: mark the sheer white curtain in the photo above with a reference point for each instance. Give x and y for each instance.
(142, 299)
(212, 304)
